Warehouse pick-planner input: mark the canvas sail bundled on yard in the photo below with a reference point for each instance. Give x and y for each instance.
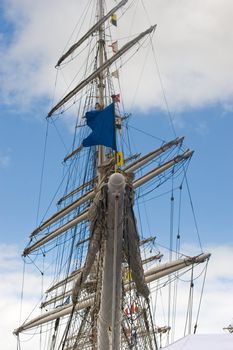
(101, 267)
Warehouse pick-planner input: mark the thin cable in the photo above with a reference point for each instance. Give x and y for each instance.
(175, 290)
(153, 326)
(145, 133)
(139, 79)
(162, 88)
(41, 272)
(21, 294)
(83, 16)
(194, 216)
(170, 254)
(59, 135)
(42, 173)
(202, 290)
(189, 308)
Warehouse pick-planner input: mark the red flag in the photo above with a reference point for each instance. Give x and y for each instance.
(132, 308)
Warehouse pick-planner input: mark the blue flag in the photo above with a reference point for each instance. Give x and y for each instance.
(102, 123)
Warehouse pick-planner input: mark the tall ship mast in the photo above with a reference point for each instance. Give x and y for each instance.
(101, 270)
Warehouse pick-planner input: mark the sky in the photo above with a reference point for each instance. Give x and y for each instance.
(191, 64)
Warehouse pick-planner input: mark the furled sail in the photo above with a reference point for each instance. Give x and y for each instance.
(96, 216)
(99, 70)
(150, 276)
(84, 215)
(99, 231)
(90, 194)
(91, 31)
(131, 245)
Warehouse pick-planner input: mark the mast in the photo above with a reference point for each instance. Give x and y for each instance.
(108, 324)
(101, 80)
(110, 272)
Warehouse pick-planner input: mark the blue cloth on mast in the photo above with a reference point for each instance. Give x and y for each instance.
(102, 123)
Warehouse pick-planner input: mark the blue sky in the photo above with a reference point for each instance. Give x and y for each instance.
(194, 50)
(210, 172)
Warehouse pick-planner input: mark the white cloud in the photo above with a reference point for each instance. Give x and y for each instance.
(11, 276)
(192, 42)
(216, 311)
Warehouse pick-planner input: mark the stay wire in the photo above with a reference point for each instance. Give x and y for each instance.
(152, 323)
(146, 12)
(22, 293)
(175, 289)
(64, 338)
(193, 212)
(202, 290)
(18, 343)
(54, 196)
(171, 250)
(163, 89)
(42, 172)
(139, 79)
(83, 16)
(179, 220)
(190, 305)
(59, 135)
(145, 133)
(37, 267)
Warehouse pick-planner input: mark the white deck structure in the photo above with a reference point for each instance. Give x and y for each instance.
(203, 342)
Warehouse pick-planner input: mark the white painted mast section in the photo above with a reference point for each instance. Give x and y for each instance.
(109, 321)
(150, 276)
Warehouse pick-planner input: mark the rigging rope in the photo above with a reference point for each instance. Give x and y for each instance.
(83, 16)
(42, 173)
(170, 252)
(175, 289)
(200, 301)
(188, 321)
(146, 133)
(194, 216)
(22, 293)
(163, 90)
(153, 326)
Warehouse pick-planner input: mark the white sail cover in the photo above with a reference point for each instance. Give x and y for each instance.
(203, 342)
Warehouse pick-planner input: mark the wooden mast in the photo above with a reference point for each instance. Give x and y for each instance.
(101, 83)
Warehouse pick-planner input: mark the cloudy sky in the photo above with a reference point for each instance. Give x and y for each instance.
(192, 58)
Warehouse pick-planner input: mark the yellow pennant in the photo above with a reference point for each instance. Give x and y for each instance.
(128, 275)
(113, 19)
(120, 159)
